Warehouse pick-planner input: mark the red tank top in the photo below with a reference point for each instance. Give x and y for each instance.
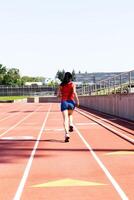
(67, 91)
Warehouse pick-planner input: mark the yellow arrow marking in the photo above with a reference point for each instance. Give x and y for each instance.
(121, 153)
(68, 183)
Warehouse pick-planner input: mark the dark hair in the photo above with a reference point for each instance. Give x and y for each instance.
(67, 78)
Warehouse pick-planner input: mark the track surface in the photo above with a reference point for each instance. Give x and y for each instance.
(36, 164)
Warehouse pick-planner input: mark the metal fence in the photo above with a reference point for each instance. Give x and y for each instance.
(123, 83)
(27, 91)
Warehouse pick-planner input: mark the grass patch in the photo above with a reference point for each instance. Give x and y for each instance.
(12, 97)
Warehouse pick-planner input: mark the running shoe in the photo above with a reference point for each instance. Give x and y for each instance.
(71, 128)
(67, 137)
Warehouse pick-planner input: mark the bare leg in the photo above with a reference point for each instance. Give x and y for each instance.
(66, 122)
(70, 114)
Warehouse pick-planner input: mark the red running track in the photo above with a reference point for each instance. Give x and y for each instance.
(36, 164)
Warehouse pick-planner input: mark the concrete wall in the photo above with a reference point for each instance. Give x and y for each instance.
(47, 99)
(30, 100)
(52, 99)
(118, 105)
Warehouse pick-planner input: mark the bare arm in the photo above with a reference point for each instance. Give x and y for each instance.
(59, 92)
(76, 95)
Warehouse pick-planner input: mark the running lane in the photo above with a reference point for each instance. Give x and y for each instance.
(116, 153)
(16, 145)
(66, 170)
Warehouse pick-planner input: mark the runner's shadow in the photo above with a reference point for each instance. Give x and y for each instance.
(17, 150)
(53, 140)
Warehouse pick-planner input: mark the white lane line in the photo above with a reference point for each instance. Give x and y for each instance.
(108, 127)
(111, 119)
(29, 128)
(102, 166)
(86, 124)
(14, 126)
(29, 163)
(18, 138)
(55, 129)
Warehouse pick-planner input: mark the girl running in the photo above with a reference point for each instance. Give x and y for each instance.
(67, 93)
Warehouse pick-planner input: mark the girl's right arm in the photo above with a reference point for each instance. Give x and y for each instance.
(59, 92)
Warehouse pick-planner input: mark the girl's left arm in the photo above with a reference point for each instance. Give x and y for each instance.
(76, 95)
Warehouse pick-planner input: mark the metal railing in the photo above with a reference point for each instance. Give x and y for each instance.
(122, 83)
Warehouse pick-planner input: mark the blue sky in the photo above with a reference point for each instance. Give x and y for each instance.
(41, 36)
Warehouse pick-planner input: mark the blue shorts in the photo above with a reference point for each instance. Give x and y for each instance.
(67, 105)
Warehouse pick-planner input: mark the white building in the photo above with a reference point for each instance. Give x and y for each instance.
(33, 83)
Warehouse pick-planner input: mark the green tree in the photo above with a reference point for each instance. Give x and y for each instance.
(73, 75)
(12, 77)
(60, 74)
(3, 71)
(32, 79)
